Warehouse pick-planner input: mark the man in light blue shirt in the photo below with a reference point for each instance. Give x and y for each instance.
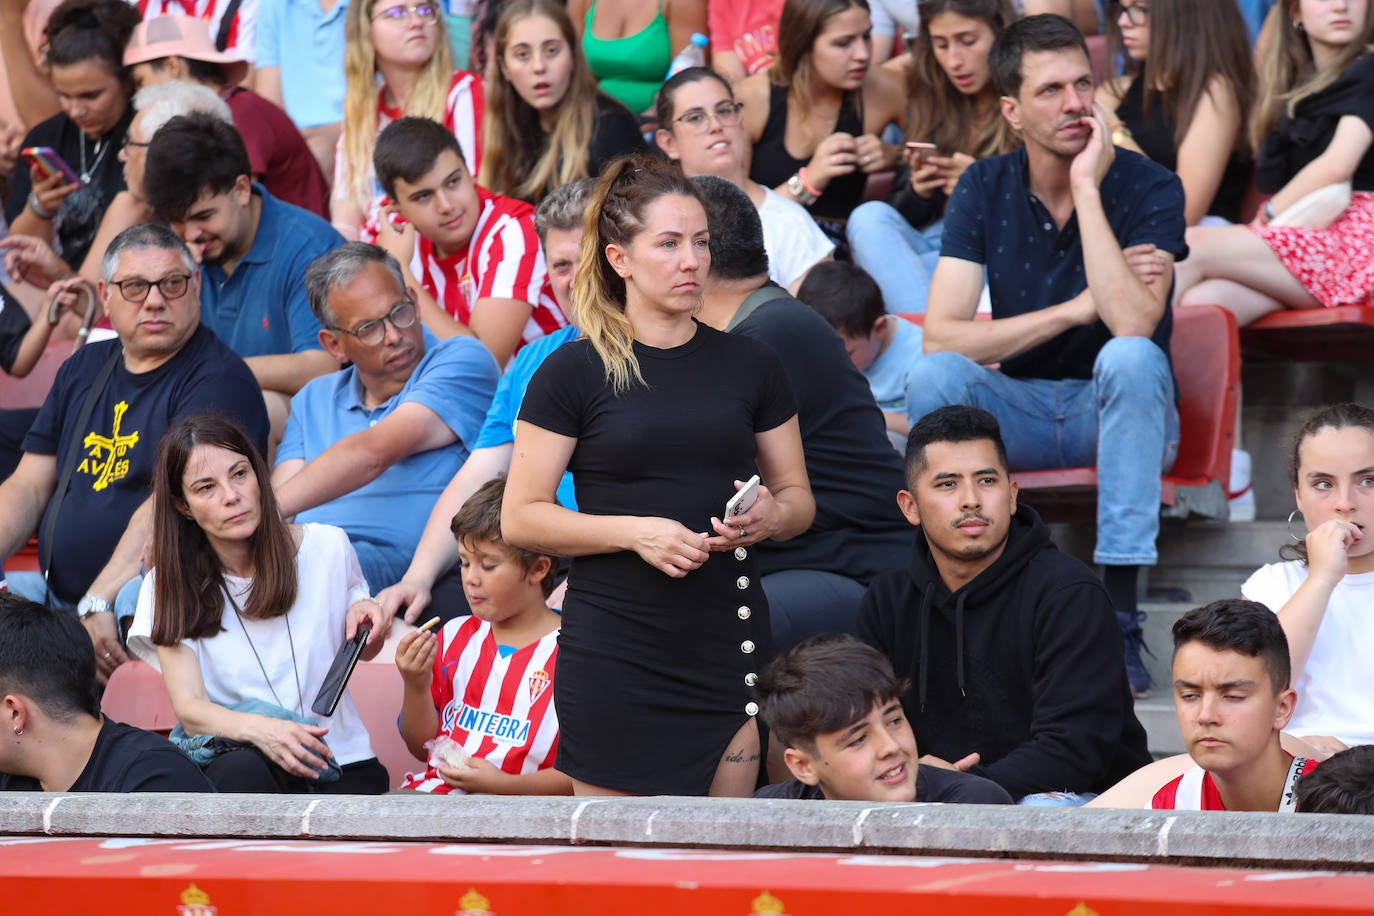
(300, 67)
(370, 448)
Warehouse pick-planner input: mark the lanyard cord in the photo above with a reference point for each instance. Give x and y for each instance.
(300, 699)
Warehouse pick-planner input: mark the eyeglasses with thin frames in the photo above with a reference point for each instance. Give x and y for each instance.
(137, 144)
(699, 119)
(427, 12)
(371, 333)
(1136, 14)
(136, 289)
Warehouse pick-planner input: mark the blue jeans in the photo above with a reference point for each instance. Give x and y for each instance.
(33, 586)
(1057, 799)
(804, 602)
(1123, 420)
(899, 257)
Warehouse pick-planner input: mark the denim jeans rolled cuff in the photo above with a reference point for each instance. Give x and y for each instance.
(899, 257)
(1048, 424)
(1138, 431)
(1057, 799)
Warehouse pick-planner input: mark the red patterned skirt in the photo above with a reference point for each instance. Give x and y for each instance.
(1335, 264)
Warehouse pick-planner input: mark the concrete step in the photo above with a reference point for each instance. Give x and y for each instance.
(1208, 560)
(1156, 713)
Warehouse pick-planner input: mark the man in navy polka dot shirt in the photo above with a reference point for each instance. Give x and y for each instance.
(1078, 241)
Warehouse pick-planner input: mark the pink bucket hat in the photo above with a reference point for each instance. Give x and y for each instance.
(181, 36)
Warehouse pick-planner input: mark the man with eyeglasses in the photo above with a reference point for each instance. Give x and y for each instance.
(253, 247)
(87, 466)
(371, 447)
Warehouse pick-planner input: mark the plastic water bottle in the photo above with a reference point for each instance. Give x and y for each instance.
(692, 55)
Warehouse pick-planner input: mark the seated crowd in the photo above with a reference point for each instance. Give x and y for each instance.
(583, 390)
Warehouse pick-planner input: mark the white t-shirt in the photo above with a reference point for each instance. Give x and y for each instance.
(793, 240)
(329, 581)
(1336, 688)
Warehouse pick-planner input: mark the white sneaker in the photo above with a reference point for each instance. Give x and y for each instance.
(1240, 495)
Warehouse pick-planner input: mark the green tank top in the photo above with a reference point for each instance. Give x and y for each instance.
(630, 69)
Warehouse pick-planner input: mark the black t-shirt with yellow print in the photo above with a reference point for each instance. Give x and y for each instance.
(115, 466)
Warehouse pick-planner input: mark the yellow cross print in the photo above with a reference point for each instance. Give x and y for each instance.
(114, 445)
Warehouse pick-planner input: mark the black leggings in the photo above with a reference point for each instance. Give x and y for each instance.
(246, 769)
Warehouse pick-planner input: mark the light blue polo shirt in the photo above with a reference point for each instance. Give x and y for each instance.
(887, 375)
(499, 426)
(307, 44)
(261, 309)
(456, 379)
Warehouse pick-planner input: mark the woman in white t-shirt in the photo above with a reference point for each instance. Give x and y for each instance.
(1324, 593)
(241, 607)
(701, 128)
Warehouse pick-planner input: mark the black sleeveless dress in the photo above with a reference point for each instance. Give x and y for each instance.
(772, 164)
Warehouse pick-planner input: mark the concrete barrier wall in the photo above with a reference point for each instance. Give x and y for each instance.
(1303, 841)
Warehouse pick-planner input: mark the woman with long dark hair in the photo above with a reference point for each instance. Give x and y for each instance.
(815, 117)
(953, 115)
(665, 621)
(1184, 98)
(85, 51)
(244, 614)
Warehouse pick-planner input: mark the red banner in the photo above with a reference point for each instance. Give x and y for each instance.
(213, 877)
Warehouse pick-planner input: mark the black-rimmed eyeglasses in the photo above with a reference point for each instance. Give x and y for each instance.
(371, 333)
(136, 289)
(1136, 14)
(699, 119)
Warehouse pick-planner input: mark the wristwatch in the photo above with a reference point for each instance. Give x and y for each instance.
(91, 605)
(798, 189)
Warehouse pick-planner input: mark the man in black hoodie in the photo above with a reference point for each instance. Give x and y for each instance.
(1012, 647)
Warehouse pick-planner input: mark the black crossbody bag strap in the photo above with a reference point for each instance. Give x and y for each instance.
(226, 23)
(69, 463)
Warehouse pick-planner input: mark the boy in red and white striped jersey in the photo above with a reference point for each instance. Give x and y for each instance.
(471, 257)
(1231, 673)
(484, 684)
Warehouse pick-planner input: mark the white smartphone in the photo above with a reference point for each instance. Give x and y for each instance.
(744, 498)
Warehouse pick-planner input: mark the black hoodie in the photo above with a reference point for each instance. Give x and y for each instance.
(1022, 665)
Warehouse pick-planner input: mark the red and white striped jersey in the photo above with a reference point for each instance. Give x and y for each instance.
(1195, 790)
(242, 38)
(499, 709)
(463, 112)
(503, 260)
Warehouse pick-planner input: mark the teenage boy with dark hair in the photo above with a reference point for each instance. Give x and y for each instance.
(253, 250)
(1012, 645)
(484, 684)
(882, 346)
(1232, 697)
(472, 258)
(1343, 784)
(58, 741)
(836, 707)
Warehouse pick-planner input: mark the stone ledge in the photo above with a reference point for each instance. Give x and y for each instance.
(1260, 840)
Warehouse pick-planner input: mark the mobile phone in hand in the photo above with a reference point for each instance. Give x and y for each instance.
(49, 163)
(744, 499)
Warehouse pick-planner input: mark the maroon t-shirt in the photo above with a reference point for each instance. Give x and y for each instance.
(278, 152)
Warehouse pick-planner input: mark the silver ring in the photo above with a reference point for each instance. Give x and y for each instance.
(743, 534)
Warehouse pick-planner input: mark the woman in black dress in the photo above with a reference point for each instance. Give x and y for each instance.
(665, 623)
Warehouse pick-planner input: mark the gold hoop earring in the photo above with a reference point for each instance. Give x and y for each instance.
(1296, 539)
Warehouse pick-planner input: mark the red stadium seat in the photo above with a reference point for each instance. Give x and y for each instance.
(376, 688)
(136, 695)
(1206, 360)
(1314, 335)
